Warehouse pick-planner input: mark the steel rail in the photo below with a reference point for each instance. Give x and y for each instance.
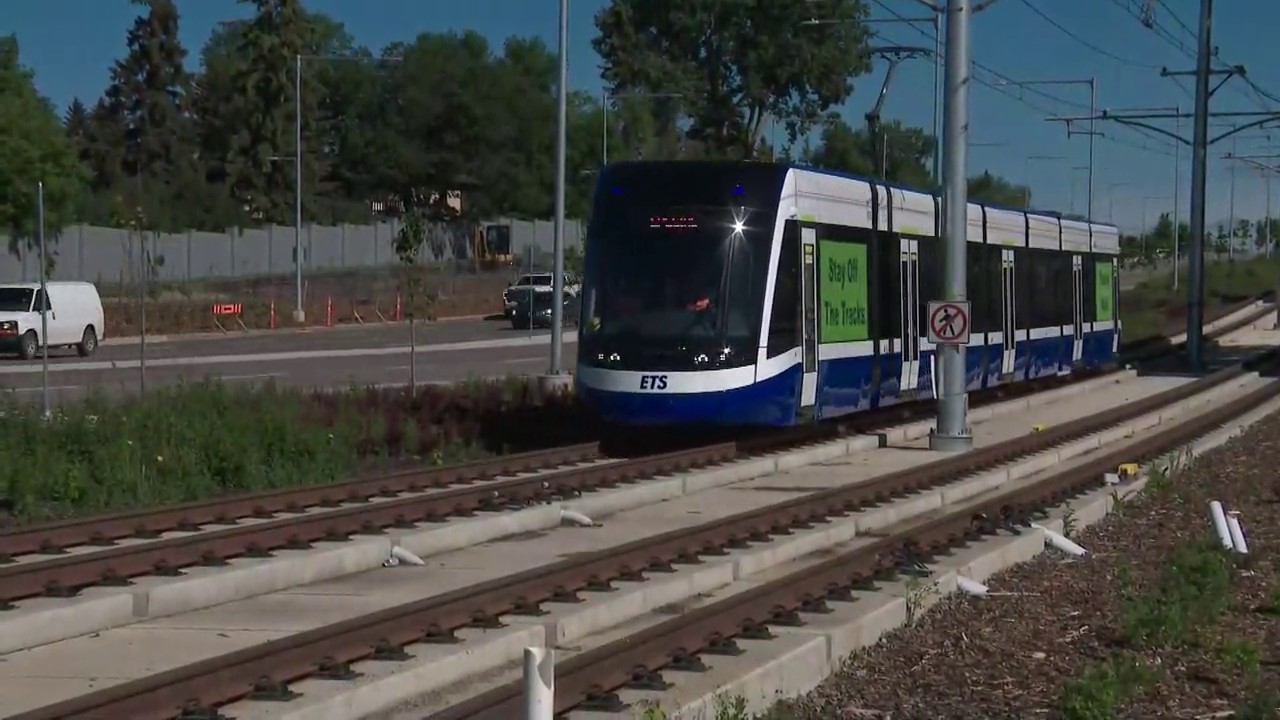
(589, 681)
(54, 538)
(66, 575)
(264, 671)
(105, 530)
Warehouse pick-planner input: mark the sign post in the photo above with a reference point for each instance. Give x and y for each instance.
(949, 322)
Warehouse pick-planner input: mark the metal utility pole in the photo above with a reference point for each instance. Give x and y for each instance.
(1199, 158)
(1177, 191)
(299, 315)
(557, 298)
(937, 102)
(951, 433)
(44, 306)
(1231, 209)
(1200, 144)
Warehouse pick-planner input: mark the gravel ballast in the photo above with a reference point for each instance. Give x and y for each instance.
(1157, 622)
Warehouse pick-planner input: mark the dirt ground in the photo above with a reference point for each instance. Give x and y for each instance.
(333, 299)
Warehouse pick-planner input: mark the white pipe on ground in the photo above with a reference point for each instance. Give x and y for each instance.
(1237, 533)
(971, 586)
(1220, 524)
(576, 518)
(539, 683)
(405, 556)
(1060, 541)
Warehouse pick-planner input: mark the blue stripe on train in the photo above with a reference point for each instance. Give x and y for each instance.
(845, 386)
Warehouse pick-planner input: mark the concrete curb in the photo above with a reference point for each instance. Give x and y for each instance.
(814, 652)
(40, 621)
(626, 610)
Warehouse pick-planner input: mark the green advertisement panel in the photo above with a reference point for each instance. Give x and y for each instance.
(842, 292)
(1102, 294)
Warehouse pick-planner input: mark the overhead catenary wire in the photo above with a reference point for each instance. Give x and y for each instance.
(1008, 91)
(1088, 44)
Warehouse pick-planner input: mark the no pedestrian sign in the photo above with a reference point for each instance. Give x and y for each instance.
(949, 322)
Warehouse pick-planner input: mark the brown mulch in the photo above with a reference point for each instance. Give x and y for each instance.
(1010, 656)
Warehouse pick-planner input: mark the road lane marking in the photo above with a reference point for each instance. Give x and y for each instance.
(97, 365)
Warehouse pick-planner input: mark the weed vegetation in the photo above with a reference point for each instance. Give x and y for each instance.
(199, 441)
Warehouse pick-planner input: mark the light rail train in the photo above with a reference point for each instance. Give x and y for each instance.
(755, 294)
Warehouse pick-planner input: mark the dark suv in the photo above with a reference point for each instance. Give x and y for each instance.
(533, 310)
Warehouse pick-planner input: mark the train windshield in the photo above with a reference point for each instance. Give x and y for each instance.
(676, 287)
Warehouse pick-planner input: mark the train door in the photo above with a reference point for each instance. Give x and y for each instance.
(809, 329)
(1077, 308)
(909, 281)
(1008, 316)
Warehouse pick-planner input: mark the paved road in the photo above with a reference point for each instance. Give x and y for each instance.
(447, 352)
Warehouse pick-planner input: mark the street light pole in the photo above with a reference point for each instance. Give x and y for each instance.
(937, 105)
(951, 433)
(299, 315)
(557, 297)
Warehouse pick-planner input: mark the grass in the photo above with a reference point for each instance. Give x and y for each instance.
(199, 441)
(1192, 592)
(1153, 306)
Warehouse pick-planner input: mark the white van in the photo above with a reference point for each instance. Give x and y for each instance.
(75, 317)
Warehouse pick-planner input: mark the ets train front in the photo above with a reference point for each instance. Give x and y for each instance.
(677, 256)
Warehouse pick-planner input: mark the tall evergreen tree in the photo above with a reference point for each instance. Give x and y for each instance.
(150, 98)
(261, 168)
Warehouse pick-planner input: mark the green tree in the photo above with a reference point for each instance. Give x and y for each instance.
(736, 64)
(1243, 232)
(260, 176)
(150, 99)
(33, 148)
(995, 190)
(907, 152)
(1266, 233)
(1221, 240)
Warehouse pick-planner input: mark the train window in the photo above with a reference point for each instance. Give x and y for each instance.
(888, 288)
(1023, 259)
(1088, 282)
(1044, 288)
(784, 319)
(1064, 305)
(980, 288)
(931, 269)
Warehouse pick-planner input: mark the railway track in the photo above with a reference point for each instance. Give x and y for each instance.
(106, 530)
(34, 561)
(266, 670)
(589, 681)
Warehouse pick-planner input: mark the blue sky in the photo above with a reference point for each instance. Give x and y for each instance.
(71, 43)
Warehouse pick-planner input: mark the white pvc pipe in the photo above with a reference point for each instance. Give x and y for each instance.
(539, 683)
(1220, 524)
(971, 586)
(1060, 541)
(405, 556)
(576, 518)
(1237, 533)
